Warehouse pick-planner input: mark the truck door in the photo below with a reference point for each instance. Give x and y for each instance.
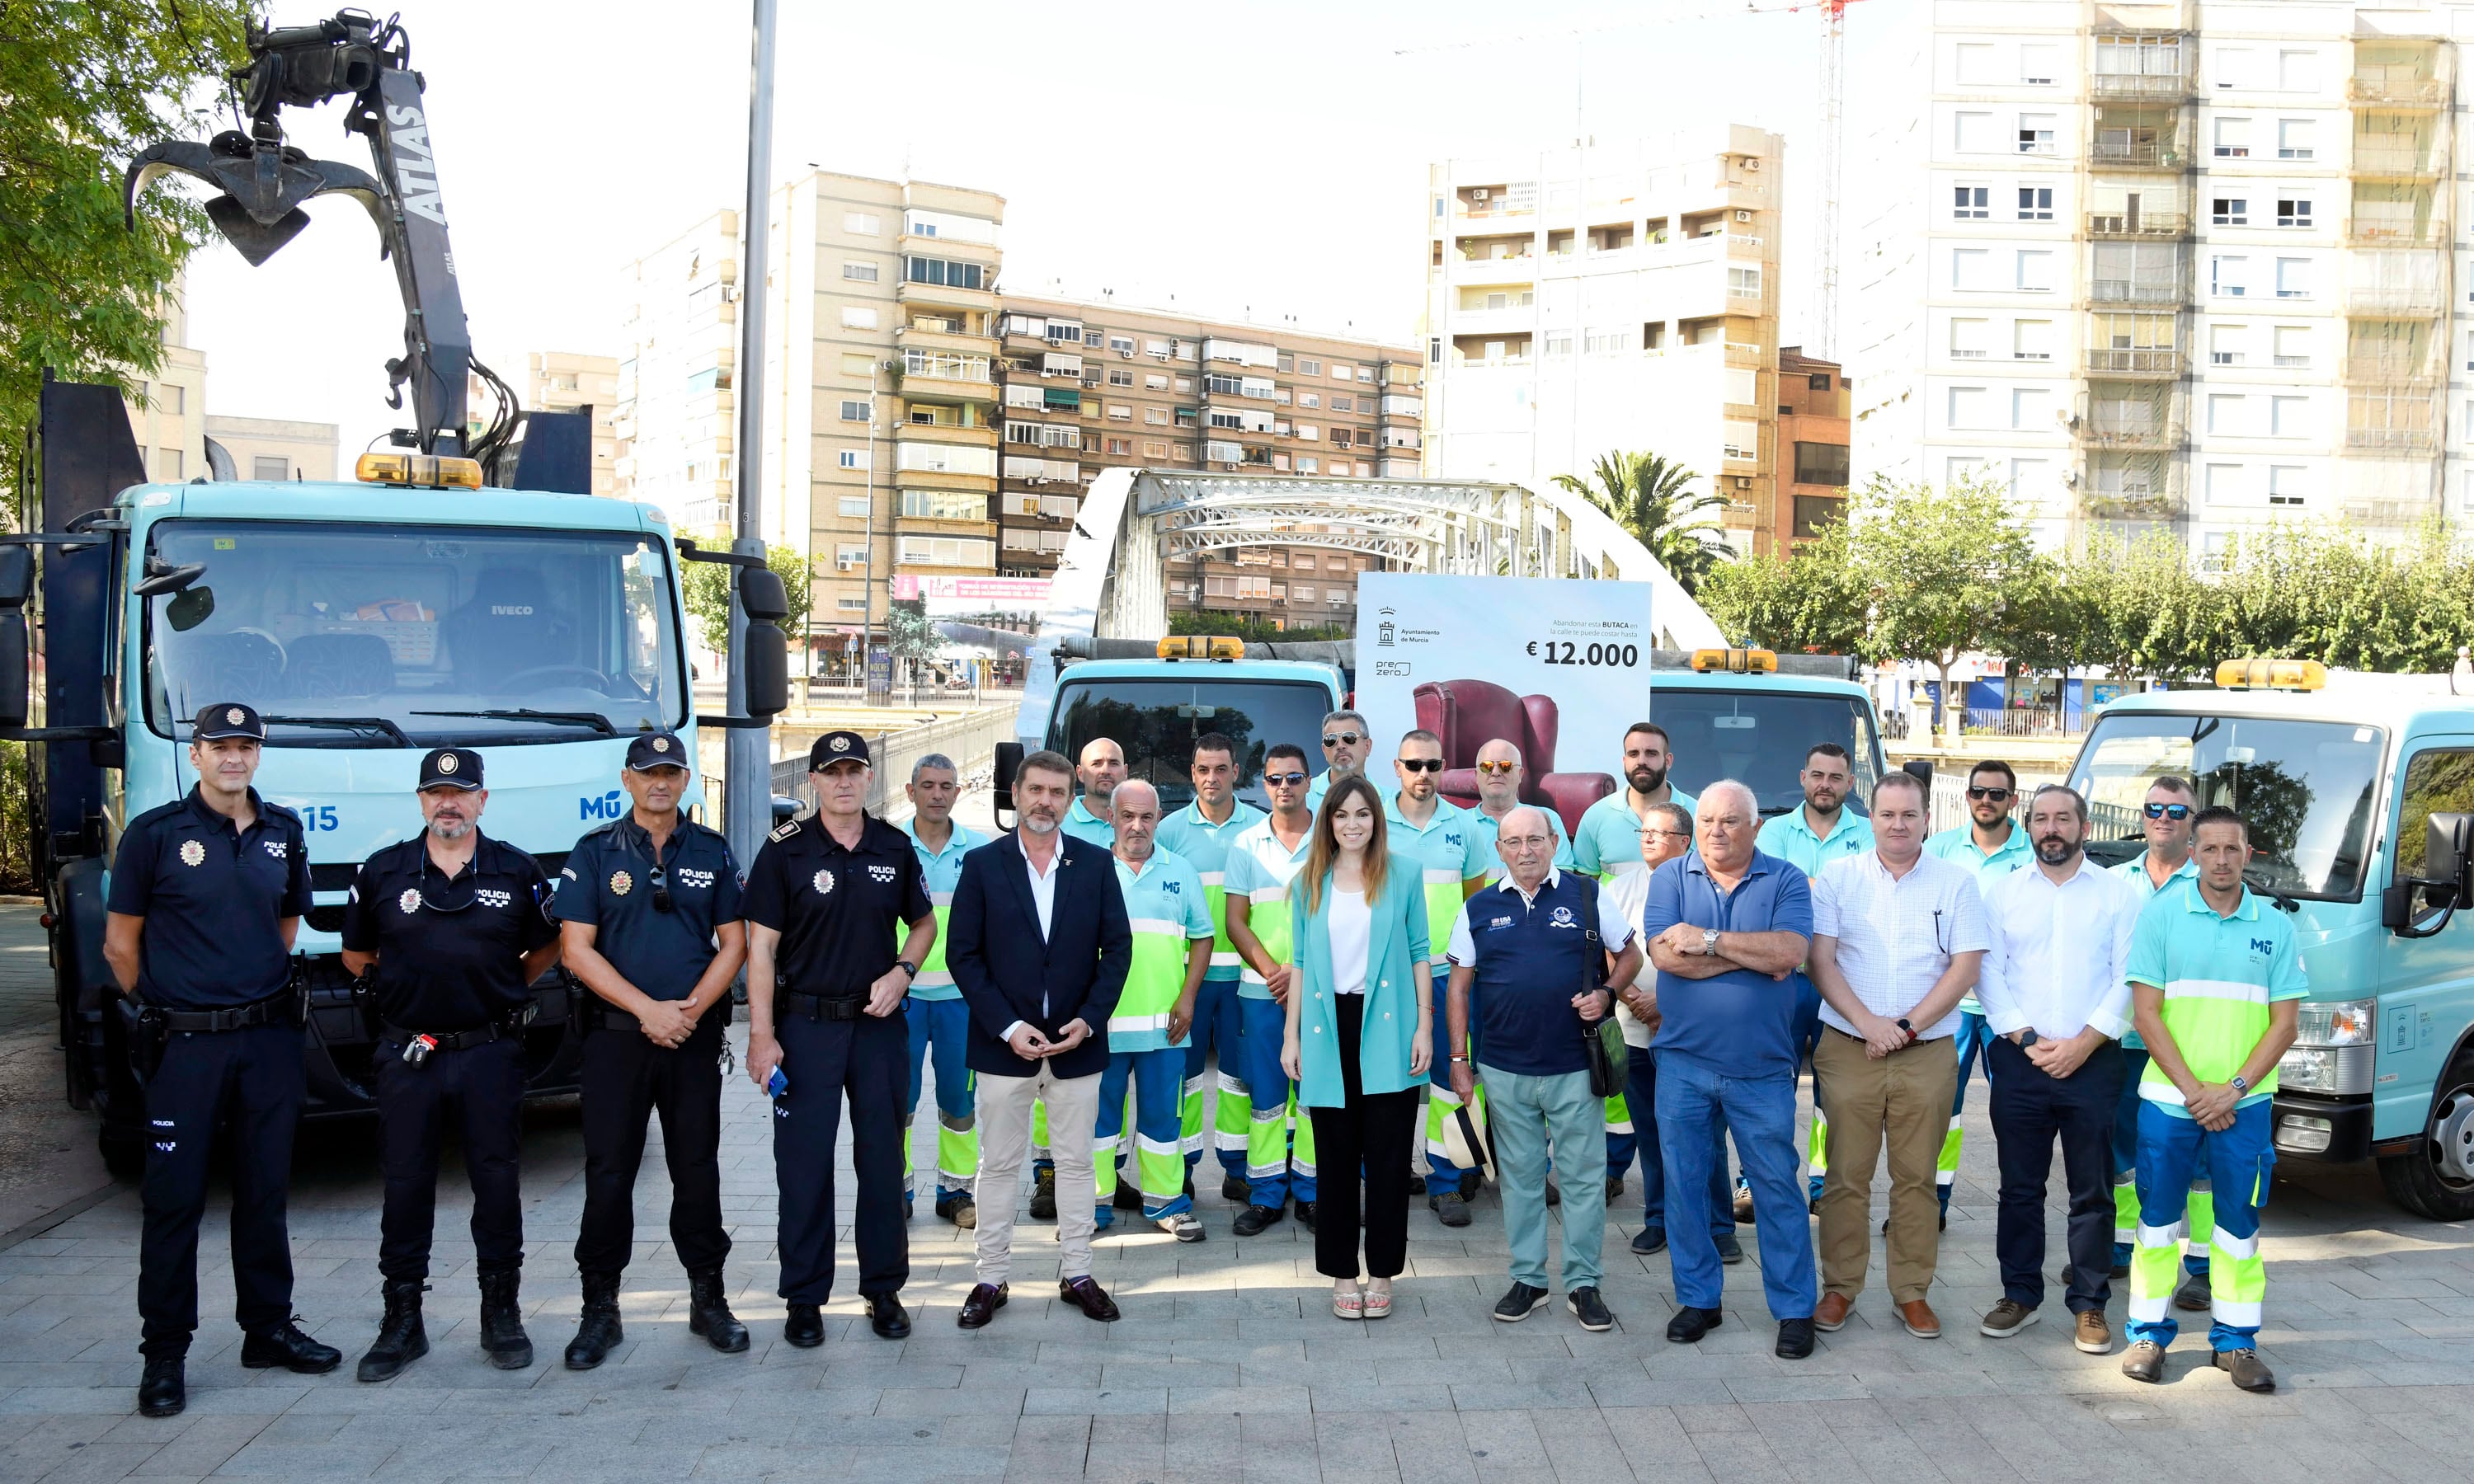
(2426, 984)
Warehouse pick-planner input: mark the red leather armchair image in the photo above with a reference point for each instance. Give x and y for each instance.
(1468, 714)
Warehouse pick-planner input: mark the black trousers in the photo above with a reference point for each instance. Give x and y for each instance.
(252, 1082)
(823, 1061)
(1370, 1131)
(625, 1080)
(482, 1088)
(2032, 1110)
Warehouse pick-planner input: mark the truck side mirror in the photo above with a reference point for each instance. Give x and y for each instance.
(762, 595)
(2445, 838)
(767, 660)
(16, 575)
(1009, 762)
(16, 657)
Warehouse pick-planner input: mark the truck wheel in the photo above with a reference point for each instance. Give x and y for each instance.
(2438, 1179)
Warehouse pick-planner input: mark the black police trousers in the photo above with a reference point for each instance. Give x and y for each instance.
(483, 1088)
(822, 1061)
(625, 1078)
(252, 1081)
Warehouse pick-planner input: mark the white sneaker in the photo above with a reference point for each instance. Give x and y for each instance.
(1183, 1225)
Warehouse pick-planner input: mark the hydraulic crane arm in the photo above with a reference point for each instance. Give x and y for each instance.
(261, 183)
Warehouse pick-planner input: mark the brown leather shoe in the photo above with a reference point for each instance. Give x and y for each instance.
(1090, 1298)
(1920, 1319)
(1831, 1313)
(2091, 1333)
(2250, 1373)
(2144, 1361)
(2007, 1319)
(982, 1306)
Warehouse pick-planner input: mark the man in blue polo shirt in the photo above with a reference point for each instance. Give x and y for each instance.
(1809, 838)
(1992, 844)
(1725, 926)
(1201, 834)
(1607, 843)
(940, 1022)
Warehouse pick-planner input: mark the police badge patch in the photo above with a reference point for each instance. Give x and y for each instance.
(622, 883)
(824, 883)
(192, 854)
(409, 902)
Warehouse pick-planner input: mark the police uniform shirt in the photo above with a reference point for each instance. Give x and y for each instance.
(451, 949)
(214, 897)
(841, 912)
(607, 884)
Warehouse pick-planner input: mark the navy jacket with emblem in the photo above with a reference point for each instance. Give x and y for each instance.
(214, 898)
(607, 884)
(1007, 972)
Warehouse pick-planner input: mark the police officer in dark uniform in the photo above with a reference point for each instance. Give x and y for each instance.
(206, 895)
(648, 919)
(825, 988)
(458, 926)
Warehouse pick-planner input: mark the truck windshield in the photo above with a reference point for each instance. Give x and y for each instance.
(2305, 788)
(1759, 739)
(358, 621)
(1156, 720)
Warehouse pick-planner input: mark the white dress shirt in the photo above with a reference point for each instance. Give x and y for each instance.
(1613, 926)
(1043, 898)
(1895, 935)
(1628, 894)
(2058, 952)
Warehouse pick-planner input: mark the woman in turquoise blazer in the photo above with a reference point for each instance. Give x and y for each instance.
(1360, 1033)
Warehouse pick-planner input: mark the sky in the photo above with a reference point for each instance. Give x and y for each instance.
(1260, 160)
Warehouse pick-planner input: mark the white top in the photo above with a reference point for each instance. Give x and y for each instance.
(1895, 935)
(2059, 952)
(1353, 937)
(1629, 895)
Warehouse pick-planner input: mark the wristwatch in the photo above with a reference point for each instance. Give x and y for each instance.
(1708, 943)
(909, 970)
(2238, 1086)
(1461, 1057)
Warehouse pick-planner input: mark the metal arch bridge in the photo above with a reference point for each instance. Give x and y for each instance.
(1109, 580)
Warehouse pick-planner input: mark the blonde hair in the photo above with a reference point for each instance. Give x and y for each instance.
(1326, 849)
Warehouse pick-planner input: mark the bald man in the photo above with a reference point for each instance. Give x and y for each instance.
(1100, 767)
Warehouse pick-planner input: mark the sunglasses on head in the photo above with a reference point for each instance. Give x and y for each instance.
(1990, 795)
(1342, 738)
(2168, 811)
(661, 890)
(1284, 779)
(1421, 764)
(1497, 767)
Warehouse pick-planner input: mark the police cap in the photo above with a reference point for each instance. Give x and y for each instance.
(450, 767)
(652, 750)
(228, 719)
(836, 747)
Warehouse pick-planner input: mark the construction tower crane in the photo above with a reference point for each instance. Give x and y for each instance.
(1834, 112)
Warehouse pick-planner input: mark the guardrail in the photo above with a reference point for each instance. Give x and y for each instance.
(970, 739)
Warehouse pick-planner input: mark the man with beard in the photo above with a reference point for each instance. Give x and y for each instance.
(1279, 1162)
(1347, 743)
(1202, 832)
(1607, 844)
(2169, 812)
(1992, 844)
(457, 927)
(2056, 997)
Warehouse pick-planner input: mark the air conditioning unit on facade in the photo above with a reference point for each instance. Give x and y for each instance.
(1478, 195)
(1126, 355)
(845, 566)
(1743, 216)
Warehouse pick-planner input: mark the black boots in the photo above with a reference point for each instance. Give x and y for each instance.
(162, 1391)
(503, 1324)
(709, 1313)
(600, 1331)
(401, 1341)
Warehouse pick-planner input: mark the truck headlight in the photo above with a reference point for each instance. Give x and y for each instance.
(2337, 1022)
(2310, 1069)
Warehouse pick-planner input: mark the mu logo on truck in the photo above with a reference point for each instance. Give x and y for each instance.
(609, 806)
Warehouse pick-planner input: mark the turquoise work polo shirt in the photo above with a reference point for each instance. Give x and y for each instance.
(1258, 869)
(1959, 845)
(1790, 838)
(1204, 845)
(1084, 825)
(1487, 828)
(1608, 842)
(2135, 872)
(941, 871)
(1166, 910)
(2220, 974)
(1449, 855)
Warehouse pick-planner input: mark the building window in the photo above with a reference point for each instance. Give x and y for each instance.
(2035, 203)
(270, 467)
(1309, 399)
(1120, 447)
(943, 505)
(1309, 466)
(1153, 450)
(1971, 269)
(2233, 138)
(2292, 347)
(1818, 381)
(1157, 416)
(1821, 464)
(168, 464)
(2039, 63)
(853, 411)
(856, 317)
(2031, 339)
(860, 273)
(1975, 134)
(2292, 277)
(1743, 282)
(854, 458)
(2036, 133)
(1969, 203)
(1155, 383)
(1119, 411)
(2286, 416)
(2227, 277)
(1119, 378)
(1434, 350)
(2231, 211)
(944, 271)
(1968, 339)
(862, 224)
(2285, 484)
(1309, 367)
(1344, 404)
(2293, 138)
(2293, 213)
(2035, 271)
(851, 506)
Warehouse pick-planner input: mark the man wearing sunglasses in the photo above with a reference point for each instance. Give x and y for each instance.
(2167, 815)
(1347, 743)
(648, 921)
(1261, 860)
(1201, 832)
(1439, 834)
(1992, 844)
(1500, 773)
(457, 927)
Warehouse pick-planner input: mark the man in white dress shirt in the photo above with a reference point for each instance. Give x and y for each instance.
(2056, 1002)
(1897, 936)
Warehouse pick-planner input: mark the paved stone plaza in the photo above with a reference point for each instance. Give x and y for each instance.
(1227, 1365)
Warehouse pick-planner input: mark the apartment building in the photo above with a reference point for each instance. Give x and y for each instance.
(566, 381)
(271, 448)
(1615, 297)
(879, 452)
(2168, 266)
(1094, 386)
(167, 411)
(1813, 451)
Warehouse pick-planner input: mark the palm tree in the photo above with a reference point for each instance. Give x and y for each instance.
(1647, 495)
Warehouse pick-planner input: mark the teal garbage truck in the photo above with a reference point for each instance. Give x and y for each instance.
(2359, 791)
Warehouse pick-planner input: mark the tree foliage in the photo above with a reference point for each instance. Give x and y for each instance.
(705, 587)
(1651, 498)
(84, 85)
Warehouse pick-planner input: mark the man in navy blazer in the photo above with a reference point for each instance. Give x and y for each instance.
(1040, 947)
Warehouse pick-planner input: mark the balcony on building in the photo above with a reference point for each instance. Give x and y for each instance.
(2140, 137)
(2120, 211)
(1493, 202)
(2400, 73)
(2132, 492)
(2140, 272)
(944, 376)
(2134, 346)
(951, 283)
(2410, 287)
(1477, 350)
(2394, 353)
(2132, 64)
(2132, 417)
(1500, 258)
(2393, 420)
(2397, 146)
(970, 331)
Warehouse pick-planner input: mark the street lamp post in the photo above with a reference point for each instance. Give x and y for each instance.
(748, 774)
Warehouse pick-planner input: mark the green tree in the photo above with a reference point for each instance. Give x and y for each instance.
(1650, 497)
(1945, 565)
(84, 85)
(1811, 601)
(705, 587)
